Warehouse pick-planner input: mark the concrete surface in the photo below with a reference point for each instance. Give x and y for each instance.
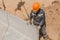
(12, 28)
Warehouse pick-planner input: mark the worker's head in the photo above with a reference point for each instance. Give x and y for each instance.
(36, 6)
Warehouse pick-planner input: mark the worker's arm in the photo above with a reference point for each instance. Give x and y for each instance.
(31, 17)
(43, 18)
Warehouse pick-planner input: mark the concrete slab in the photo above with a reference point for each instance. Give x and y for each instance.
(17, 29)
(3, 17)
(2, 30)
(3, 23)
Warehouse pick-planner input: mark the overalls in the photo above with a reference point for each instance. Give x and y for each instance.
(39, 20)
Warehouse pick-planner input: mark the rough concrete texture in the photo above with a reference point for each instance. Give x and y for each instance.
(52, 11)
(12, 28)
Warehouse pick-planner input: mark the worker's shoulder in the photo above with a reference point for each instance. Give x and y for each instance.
(41, 11)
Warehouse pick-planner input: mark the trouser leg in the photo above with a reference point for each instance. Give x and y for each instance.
(43, 31)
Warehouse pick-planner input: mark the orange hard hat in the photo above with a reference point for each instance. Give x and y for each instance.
(35, 6)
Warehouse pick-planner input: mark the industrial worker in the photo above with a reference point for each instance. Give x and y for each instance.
(38, 16)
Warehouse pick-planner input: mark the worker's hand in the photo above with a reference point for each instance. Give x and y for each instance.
(31, 23)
